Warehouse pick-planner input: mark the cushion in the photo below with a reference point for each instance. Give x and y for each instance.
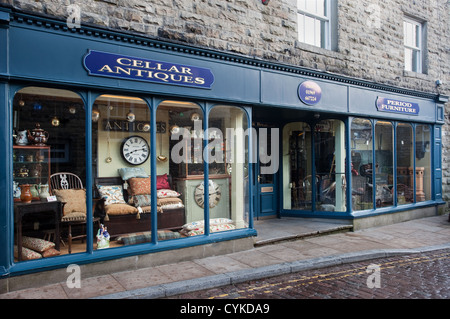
(167, 193)
(111, 194)
(129, 172)
(27, 254)
(50, 252)
(74, 216)
(142, 200)
(37, 244)
(201, 223)
(120, 209)
(139, 186)
(212, 229)
(75, 200)
(162, 182)
(168, 201)
(145, 237)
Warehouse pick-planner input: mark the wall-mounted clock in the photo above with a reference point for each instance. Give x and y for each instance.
(214, 194)
(135, 150)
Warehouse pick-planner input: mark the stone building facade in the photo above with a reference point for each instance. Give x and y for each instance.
(369, 43)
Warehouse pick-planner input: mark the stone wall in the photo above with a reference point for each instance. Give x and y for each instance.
(369, 46)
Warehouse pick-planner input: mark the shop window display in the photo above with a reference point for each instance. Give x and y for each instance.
(405, 164)
(423, 162)
(384, 163)
(297, 166)
(48, 149)
(330, 180)
(362, 164)
(227, 148)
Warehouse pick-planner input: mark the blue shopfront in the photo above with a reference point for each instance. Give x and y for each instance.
(171, 146)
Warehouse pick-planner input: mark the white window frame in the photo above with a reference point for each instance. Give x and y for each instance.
(325, 38)
(411, 66)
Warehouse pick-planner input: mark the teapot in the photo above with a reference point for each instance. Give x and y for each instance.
(21, 138)
(38, 136)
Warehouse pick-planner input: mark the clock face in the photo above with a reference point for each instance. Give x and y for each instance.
(135, 150)
(214, 194)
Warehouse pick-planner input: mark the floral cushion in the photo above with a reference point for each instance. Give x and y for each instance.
(142, 200)
(27, 254)
(201, 223)
(50, 253)
(74, 199)
(139, 186)
(37, 244)
(167, 193)
(212, 229)
(111, 194)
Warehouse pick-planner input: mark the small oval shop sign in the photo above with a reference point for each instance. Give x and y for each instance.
(309, 92)
(396, 106)
(99, 63)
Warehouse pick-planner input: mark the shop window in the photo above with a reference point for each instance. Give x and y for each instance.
(121, 169)
(329, 178)
(361, 164)
(297, 167)
(384, 163)
(227, 152)
(423, 162)
(405, 164)
(180, 157)
(49, 168)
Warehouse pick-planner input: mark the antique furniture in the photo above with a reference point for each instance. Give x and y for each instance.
(123, 218)
(36, 208)
(68, 188)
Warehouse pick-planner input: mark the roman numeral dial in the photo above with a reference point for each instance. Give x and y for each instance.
(135, 150)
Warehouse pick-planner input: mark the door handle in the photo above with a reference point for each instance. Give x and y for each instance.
(259, 178)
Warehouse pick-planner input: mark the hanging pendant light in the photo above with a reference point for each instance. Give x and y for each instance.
(131, 117)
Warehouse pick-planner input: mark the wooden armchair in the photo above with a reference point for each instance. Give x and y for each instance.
(68, 188)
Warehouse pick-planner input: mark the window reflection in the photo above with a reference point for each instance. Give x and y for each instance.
(405, 164)
(423, 162)
(361, 164)
(384, 163)
(329, 143)
(48, 159)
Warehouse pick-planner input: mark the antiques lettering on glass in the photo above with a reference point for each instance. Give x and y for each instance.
(136, 126)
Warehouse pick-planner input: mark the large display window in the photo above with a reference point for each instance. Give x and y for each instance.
(49, 173)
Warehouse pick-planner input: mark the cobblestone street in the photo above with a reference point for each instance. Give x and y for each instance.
(418, 276)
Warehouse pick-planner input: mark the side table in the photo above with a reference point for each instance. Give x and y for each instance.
(22, 209)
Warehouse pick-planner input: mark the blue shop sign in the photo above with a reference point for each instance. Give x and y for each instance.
(396, 106)
(309, 92)
(99, 63)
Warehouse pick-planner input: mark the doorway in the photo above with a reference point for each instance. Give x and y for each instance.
(266, 170)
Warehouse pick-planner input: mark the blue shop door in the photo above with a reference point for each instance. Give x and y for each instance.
(265, 185)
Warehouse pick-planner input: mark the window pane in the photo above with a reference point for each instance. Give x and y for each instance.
(423, 163)
(182, 159)
(408, 59)
(310, 29)
(329, 144)
(121, 167)
(297, 166)
(48, 159)
(227, 138)
(384, 163)
(405, 164)
(362, 164)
